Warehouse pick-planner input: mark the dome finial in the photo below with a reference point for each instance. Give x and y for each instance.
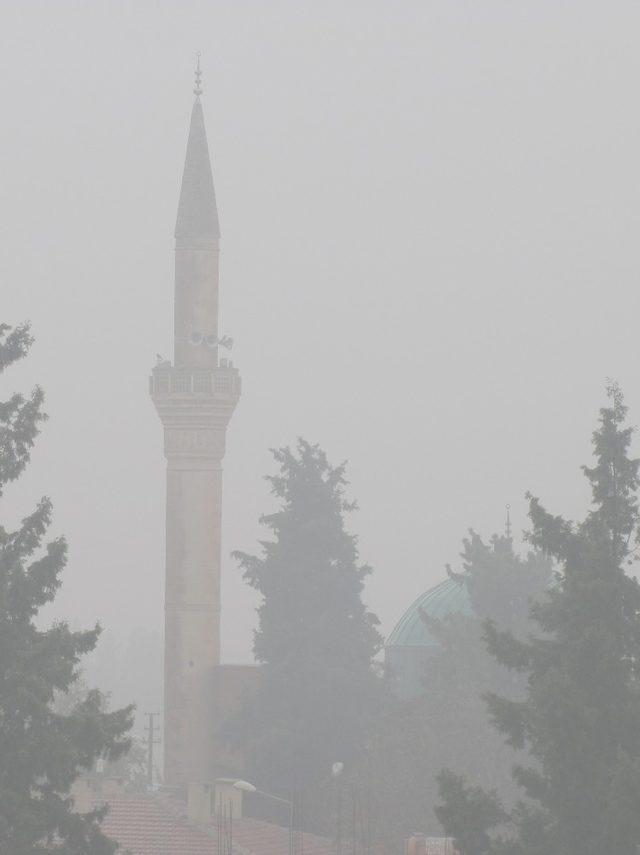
(198, 75)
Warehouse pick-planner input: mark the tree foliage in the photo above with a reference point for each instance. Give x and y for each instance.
(316, 640)
(130, 767)
(448, 725)
(580, 719)
(42, 751)
(468, 813)
(20, 417)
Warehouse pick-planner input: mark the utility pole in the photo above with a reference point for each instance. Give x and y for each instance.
(151, 741)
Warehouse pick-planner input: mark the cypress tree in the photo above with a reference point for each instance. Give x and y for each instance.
(315, 640)
(42, 751)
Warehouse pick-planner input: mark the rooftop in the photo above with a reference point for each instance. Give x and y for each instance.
(158, 825)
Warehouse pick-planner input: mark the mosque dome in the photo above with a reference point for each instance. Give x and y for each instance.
(447, 598)
(411, 641)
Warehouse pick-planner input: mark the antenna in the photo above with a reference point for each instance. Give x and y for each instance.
(198, 75)
(507, 523)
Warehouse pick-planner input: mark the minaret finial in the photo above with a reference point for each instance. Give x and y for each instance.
(198, 75)
(507, 523)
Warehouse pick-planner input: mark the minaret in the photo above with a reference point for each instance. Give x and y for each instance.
(195, 398)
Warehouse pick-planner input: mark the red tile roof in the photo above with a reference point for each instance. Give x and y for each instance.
(145, 825)
(157, 825)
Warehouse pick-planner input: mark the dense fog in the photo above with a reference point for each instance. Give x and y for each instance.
(429, 268)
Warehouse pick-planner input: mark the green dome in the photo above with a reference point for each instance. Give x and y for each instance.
(447, 598)
(410, 644)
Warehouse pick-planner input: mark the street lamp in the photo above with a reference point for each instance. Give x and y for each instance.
(246, 787)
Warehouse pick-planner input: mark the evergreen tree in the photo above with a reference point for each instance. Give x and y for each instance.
(580, 719)
(42, 751)
(469, 813)
(316, 640)
(19, 417)
(501, 587)
(448, 725)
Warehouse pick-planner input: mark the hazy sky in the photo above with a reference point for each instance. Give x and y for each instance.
(430, 263)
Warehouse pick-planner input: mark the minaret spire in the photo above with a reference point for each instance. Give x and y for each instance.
(197, 209)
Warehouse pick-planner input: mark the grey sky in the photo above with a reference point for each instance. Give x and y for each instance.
(430, 262)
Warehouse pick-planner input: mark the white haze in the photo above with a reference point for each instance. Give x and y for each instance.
(430, 263)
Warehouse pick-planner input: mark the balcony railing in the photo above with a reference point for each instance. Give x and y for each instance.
(177, 381)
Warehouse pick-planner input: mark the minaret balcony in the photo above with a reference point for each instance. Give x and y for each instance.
(220, 382)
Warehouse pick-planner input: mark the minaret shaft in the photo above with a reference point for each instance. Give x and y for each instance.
(192, 617)
(195, 398)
